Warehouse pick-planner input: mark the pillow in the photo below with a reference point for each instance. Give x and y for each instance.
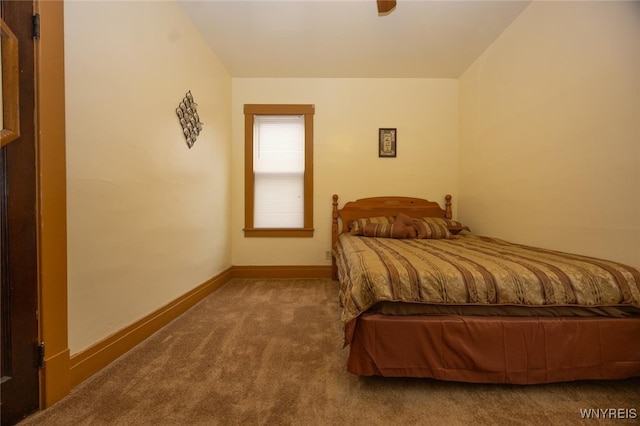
(404, 221)
(453, 226)
(357, 226)
(421, 228)
(435, 228)
(386, 230)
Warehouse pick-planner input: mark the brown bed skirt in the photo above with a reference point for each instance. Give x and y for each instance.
(496, 349)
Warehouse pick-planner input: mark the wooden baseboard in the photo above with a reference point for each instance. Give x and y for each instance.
(296, 271)
(88, 362)
(93, 359)
(54, 378)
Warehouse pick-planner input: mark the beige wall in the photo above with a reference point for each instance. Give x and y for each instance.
(550, 131)
(348, 115)
(537, 142)
(147, 217)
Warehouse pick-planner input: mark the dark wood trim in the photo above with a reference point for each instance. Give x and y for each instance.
(248, 171)
(308, 168)
(55, 382)
(50, 104)
(279, 109)
(278, 233)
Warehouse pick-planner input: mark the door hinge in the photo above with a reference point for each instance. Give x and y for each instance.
(40, 355)
(36, 26)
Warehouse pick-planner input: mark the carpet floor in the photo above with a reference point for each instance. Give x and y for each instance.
(269, 352)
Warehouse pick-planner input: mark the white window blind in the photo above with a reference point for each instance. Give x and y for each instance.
(278, 167)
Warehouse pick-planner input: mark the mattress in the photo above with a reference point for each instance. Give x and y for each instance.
(476, 272)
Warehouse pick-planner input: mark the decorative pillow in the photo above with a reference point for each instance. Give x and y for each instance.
(402, 220)
(453, 226)
(436, 228)
(421, 228)
(357, 226)
(386, 230)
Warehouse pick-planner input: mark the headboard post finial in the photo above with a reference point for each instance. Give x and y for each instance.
(448, 213)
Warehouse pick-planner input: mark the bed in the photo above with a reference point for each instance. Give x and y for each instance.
(452, 305)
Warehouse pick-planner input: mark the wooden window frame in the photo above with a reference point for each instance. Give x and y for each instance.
(251, 110)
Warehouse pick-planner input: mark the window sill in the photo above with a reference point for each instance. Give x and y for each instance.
(278, 233)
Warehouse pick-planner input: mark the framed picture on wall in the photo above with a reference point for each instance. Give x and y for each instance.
(387, 142)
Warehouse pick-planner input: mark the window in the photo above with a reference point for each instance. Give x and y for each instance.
(278, 170)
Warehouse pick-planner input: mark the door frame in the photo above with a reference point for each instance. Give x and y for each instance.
(52, 239)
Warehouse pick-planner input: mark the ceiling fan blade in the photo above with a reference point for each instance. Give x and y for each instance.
(385, 6)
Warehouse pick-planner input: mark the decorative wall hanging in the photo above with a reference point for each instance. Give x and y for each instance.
(189, 119)
(387, 142)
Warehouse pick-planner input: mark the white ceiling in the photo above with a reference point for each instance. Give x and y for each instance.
(347, 38)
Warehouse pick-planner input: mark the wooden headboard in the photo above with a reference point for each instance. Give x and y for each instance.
(383, 206)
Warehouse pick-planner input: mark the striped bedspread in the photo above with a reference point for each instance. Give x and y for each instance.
(475, 270)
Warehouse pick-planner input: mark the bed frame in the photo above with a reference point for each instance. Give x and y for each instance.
(517, 350)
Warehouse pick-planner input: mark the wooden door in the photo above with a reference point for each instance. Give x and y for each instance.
(18, 235)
